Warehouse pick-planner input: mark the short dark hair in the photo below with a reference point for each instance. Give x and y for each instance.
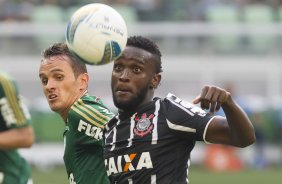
(148, 45)
(57, 49)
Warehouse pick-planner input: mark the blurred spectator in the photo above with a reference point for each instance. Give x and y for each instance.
(148, 10)
(14, 10)
(26, 8)
(8, 10)
(48, 13)
(125, 8)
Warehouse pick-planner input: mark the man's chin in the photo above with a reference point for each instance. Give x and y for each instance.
(123, 106)
(54, 108)
(129, 103)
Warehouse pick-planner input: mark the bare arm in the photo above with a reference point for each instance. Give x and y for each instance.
(17, 138)
(236, 129)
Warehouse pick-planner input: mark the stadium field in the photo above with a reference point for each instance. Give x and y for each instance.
(266, 176)
(56, 175)
(197, 176)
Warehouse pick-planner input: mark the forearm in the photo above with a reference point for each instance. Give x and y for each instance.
(16, 138)
(240, 127)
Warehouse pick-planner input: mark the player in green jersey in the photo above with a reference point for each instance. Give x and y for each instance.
(65, 80)
(15, 132)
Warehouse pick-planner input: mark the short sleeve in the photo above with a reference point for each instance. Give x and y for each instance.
(186, 119)
(13, 111)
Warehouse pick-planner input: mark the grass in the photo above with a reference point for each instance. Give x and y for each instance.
(247, 176)
(56, 175)
(196, 176)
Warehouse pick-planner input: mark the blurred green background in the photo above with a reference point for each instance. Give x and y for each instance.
(48, 126)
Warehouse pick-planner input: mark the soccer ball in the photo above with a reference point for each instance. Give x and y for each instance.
(96, 34)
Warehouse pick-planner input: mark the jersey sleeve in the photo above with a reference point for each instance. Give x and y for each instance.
(13, 111)
(186, 119)
(91, 119)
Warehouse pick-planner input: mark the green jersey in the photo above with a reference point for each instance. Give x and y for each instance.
(83, 141)
(13, 114)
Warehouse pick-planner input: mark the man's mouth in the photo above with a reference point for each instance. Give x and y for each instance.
(52, 97)
(122, 91)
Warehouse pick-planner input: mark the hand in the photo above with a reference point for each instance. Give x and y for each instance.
(212, 98)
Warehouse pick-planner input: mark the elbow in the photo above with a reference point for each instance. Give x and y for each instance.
(28, 139)
(29, 142)
(248, 139)
(247, 142)
(251, 141)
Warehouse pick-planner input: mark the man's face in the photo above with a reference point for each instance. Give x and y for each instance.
(132, 77)
(60, 86)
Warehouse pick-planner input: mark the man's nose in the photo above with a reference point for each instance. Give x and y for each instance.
(50, 85)
(125, 75)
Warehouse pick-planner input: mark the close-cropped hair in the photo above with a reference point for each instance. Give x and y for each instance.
(149, 46)
(61, 49)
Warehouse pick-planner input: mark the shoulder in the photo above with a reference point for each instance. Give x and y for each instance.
(173, 100)
(7, 84)
(172, 103)
(91, 110)
(4, 77)
(170, 99)
(95, 104)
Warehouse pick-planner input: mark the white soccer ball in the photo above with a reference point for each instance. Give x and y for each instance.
(96, 33)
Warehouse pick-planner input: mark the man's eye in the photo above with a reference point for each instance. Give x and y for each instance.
(59, 77)
(136, 70)
(117, 67)
(44, 81)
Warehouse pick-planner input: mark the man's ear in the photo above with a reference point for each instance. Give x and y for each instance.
(156, 81)
(84, 79)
